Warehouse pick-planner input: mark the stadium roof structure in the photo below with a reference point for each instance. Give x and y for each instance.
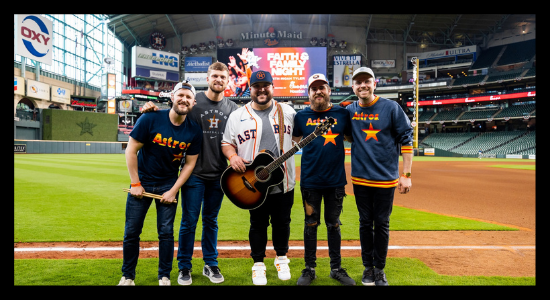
(433, 29)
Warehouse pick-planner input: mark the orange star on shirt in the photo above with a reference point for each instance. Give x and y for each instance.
(178, 156)
(329, 137)
(371, 133)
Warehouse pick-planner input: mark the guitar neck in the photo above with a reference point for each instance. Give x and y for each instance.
(281, 159)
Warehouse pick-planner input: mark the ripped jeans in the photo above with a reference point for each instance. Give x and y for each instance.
(312, 208)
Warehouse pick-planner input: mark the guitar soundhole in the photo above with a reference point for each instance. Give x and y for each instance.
(261, 174)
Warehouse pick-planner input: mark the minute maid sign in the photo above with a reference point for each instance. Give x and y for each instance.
(33, 37)
(155, 64)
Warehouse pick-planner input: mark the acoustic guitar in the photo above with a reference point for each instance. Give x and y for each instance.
(248, 190)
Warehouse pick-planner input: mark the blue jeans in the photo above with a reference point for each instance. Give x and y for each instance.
(375, 207)
(136, 209)
(197, 192)
(333, 198)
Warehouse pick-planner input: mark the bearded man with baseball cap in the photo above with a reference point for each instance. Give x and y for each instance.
(317, 182)
(380, 132)
(161, 145)
(251, 128)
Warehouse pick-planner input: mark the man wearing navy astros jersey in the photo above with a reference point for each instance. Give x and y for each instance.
(317, 181)
(161, 145)
(380, 131)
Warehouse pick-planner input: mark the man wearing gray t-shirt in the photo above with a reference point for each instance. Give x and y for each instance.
(203, 186)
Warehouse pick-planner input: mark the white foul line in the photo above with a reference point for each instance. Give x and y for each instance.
(486, 247)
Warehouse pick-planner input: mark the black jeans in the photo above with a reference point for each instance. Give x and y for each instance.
(375, 207)
(276, 209)
(312, 198)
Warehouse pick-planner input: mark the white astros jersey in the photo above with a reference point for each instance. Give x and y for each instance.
(244, 132)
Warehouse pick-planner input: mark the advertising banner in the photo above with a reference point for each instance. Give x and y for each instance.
(197, 79)
(382, 63)
(34, 38)
(475, 99)
(61, 95)
(155, 64)
(344, 65)
(197, 64)
(18, 85)
(39, 90)
(290, 67)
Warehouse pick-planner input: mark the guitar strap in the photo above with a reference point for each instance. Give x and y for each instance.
(281, 127)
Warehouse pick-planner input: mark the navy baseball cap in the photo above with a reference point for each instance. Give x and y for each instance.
(260, 76)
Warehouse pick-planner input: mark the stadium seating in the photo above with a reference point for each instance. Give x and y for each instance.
(447, 115)
(516, 111)
(467, 80)
(524, 143)
(487, 58)
(425, 116)
(487, 141)
(517, 53)
(447, 141)
(478, 114)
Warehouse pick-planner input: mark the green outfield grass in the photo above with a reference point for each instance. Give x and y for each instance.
(79, 197)
(237, 272)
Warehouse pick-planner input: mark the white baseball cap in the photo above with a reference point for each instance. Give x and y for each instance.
(315, 77)
(363, 70)
(181, 86)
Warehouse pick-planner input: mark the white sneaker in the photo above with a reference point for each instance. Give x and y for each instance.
(258, 274)
(164, 281)
(281, 263)
(124, 281)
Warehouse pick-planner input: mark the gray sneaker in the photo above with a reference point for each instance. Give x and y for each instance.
(368, 276)
(308, 275)
(213, 273)
(342, 276)
(184, 277)
(380, 277)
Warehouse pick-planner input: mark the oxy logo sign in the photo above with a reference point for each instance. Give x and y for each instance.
(34, 37)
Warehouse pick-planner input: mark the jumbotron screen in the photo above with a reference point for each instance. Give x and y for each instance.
(290, 68)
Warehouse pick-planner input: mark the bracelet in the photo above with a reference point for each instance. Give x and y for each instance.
(135, 184)
(230, 156)
(406, 175)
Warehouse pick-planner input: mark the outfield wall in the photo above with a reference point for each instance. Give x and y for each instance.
(68, 147)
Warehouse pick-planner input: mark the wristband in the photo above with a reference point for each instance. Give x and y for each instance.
(406, 175)
(135, 184)
(230, 156)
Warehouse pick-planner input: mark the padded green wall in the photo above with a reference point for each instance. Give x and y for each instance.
(70, 125)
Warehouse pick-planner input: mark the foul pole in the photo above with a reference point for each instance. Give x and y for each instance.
(414, 122)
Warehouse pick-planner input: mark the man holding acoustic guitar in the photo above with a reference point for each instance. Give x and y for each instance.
(255, 136)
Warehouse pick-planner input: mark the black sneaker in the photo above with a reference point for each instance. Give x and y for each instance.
(342, 276)
(308, 274)
(368, 276)
(184, 277)
(213, 273)
(380, 277)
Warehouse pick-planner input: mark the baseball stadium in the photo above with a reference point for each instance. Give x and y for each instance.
(466, 82)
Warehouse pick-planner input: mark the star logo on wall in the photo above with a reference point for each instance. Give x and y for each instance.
(371, 133)
(86, 127)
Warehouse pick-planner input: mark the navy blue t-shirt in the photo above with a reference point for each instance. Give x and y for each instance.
(164, 146)
(322, 164)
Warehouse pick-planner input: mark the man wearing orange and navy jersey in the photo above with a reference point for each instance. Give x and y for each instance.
(319, 184)
(380, 130)
(161, 145)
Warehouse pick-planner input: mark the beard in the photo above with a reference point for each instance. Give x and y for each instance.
(320, 104)
(182, 111)
(216, 87)
(265, 100)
